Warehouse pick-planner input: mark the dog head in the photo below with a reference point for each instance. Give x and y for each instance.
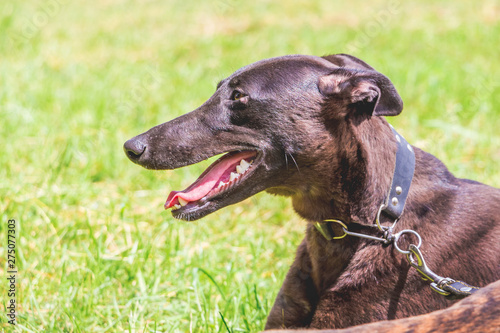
(279, 123)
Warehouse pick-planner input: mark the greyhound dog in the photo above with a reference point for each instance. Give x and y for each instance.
(313, 128)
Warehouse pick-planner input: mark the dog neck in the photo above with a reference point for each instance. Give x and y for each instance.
(360, 175)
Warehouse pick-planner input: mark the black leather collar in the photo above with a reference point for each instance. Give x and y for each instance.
(400, 186)
(401, 180)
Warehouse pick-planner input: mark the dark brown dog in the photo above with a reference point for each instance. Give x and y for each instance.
(313, 129)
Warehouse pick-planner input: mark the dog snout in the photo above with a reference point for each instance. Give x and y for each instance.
(134, 148)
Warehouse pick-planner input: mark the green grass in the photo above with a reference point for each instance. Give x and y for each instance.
(95, 250)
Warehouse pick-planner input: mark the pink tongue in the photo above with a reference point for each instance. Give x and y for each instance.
(205, 184)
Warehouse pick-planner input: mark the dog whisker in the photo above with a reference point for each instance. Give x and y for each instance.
(295, 162)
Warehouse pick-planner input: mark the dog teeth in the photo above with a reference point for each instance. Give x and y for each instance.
(240, 170)
(182, 202)
(233, 176)
(176, 206)
(244, 165)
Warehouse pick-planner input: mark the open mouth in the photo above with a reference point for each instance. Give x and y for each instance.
(225, 174)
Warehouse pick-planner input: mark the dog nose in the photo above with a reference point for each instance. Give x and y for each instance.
(134, 148)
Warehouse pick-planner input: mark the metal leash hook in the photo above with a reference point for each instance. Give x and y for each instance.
(452, 289)
(417, 261)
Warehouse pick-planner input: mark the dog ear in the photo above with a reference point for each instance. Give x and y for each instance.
(367, 91)
(348, 61)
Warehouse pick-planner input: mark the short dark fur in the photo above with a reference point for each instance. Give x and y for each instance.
(321, 139)
(479, 313)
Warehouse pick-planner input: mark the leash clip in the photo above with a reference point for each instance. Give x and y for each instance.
(416, 260)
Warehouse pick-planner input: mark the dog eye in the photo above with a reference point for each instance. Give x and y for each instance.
(237, 95)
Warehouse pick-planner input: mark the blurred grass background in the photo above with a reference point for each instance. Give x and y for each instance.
(95, 250)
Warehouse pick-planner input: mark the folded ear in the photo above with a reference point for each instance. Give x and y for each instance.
(365, 90)
(347, 61)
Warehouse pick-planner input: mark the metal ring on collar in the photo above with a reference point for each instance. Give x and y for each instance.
(344, 228)
(377, 220)
(399, 234)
